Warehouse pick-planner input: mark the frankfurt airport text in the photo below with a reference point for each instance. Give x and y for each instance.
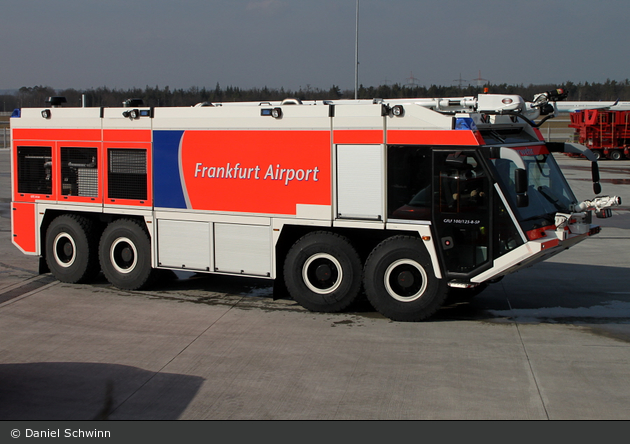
(271, 173)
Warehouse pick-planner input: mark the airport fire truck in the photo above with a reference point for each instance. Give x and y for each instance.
(404, 201)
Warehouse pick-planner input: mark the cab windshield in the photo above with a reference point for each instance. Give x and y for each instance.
(548, 191)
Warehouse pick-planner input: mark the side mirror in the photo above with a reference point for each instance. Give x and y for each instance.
(597, 188)
(520, 181)
(520, 185)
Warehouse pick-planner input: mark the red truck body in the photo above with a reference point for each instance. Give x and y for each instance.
(605, 132)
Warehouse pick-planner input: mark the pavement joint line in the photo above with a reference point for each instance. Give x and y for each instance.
(20, 284)
(161, 369)
(529, 362)
(8, 301)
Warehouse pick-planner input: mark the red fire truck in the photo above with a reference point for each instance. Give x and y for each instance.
(406, 200)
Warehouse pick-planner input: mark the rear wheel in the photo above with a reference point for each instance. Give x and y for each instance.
(322, 272)
(125, 255)
(400, 282)
(616, 155)
(71, 249)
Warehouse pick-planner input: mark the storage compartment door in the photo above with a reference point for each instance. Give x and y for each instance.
(23, 227)
(243, 249)
(360, 182)
(184, 244)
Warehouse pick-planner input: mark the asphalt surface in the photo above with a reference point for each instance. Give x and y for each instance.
(549, 342)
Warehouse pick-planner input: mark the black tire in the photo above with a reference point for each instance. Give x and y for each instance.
(616, 155)
(400, 282)
(72, 249)
(125, 255)
(597, 154)
(322, 272)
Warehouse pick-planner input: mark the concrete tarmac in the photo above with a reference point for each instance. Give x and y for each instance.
(549, 342)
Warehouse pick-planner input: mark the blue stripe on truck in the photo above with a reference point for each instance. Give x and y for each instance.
(168, 191)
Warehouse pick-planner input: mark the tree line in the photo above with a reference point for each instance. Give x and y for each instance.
(36, 96)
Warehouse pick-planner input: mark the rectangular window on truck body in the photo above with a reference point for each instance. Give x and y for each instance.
(34, 170)
(127, 174)
(79, 172)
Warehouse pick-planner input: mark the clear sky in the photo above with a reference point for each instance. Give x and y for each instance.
(297, 43)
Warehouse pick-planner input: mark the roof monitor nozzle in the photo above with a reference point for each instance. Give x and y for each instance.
(133, 102)
(56, 101)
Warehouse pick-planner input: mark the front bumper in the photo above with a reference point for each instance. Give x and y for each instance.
(534, 251)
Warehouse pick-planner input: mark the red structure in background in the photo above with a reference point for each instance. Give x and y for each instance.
(606, 133)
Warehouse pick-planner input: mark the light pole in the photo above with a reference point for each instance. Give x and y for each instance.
(356, 58)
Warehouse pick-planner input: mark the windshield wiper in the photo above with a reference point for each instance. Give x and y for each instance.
(553, 200)
(497, 136)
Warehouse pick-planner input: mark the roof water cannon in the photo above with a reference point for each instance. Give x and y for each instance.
(484, 104)
(555, 95)
(544, 104)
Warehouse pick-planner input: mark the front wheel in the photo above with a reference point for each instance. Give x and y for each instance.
(323, 272)
(400, 282)
(125, 255)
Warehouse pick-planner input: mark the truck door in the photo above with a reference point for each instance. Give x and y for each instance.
(461, 211)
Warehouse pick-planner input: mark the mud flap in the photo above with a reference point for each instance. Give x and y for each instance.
(43, 266)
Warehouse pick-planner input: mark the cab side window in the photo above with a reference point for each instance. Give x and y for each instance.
(409, 182)
(463, 185)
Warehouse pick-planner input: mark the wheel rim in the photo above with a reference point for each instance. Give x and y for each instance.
(64, 250)
(123, 255)
(322, 273)
(405, 280)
